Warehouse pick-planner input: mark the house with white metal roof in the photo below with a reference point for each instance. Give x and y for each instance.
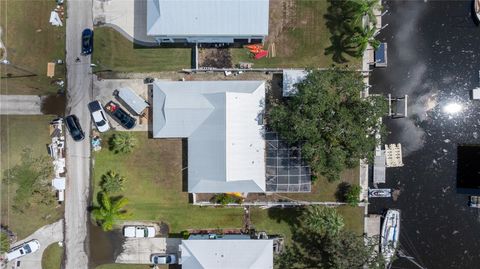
(223, 124)
(208, 21)
(227, 253)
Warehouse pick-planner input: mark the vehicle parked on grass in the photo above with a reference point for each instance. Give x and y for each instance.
(74, 128)
(87, 41)
(139, 231)
(163, 259)
(99, 117)
(23, 249)
(120, 115)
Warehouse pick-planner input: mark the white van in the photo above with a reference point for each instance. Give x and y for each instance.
(23, 249)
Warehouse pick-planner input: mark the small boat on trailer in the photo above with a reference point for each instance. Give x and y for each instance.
(383, 193)
(390, 235)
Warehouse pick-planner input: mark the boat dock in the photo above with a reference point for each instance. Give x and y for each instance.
(372, 227)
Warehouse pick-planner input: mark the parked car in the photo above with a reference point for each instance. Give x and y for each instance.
(74, 128)
(139, 231)
(99, 117)
(23, 249)
(87, 41)
(163, 259)
(120, 115)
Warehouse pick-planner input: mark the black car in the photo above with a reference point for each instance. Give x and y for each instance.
(74, 128)
(120, 115)
(87, 41)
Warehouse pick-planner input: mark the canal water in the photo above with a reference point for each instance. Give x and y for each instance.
(434, 57)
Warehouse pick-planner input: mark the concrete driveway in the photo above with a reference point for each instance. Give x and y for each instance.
(20, 105)
(139, 250)
(128, 17)
(103, 92)
(46, 235)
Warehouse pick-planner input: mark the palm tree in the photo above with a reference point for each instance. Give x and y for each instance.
(123, 142)
(361, 38)
(322, 220)
(112, 182)
(366, 8)
(109, 210)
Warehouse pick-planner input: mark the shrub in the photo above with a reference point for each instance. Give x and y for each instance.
(352, 196)
(224, 199)
(122, 142)
(112, 182)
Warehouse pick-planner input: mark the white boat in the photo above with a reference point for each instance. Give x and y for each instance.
(390, 235)
(477, 9)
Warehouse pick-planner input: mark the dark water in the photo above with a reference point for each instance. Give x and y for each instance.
(103, 246)
(54, 104)
(434, 57)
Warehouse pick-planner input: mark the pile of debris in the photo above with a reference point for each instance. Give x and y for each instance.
(57, 151)
(58, 14)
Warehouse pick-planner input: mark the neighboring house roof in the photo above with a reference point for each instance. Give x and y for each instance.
(207, 17)
(233, 254)
(291, 77)
(223, 121)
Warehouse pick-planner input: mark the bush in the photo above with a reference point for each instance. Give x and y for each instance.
(112, 182)
(185, 234)
(122, 142)
(4, 242)
(224, 199)
(352, 196)
(322, 220)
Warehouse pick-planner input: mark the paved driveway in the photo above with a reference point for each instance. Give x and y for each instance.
(20, 105)
(46, 235)
(79, 79)
(139, 250)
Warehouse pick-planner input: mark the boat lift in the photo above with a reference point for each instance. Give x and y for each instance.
(397, 106)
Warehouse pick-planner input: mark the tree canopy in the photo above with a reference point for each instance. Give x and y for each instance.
(123, 142)
(328, 117)
(109, 210)
(317, 248)
(112, 182)
(352, 27)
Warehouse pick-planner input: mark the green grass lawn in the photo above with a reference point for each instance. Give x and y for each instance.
(324, 190)
(31, 43)
(16, 133)
(52, 257)
(154, 188)
(300, 37)
(112, 51)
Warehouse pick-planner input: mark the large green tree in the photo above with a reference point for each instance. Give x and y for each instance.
(315, 248)
(334, 124)
(32, 177)
(322, 220)
(352, 27)
(109, 210)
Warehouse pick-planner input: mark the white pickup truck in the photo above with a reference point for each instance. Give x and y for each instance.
(138, 231)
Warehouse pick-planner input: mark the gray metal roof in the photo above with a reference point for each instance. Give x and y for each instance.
(234, 254)
(207, 17)
(226, 148)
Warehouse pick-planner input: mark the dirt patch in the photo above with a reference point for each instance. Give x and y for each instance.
(214, 57)
(282, 18)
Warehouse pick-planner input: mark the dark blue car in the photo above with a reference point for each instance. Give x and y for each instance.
(87, 41)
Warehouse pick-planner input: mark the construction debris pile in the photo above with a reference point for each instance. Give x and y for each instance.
(57, 151)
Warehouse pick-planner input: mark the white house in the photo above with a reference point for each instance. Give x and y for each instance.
(208, 21)
(223, 124)
(227, 253)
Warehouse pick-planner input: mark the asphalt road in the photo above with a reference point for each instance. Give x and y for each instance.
(79, 79)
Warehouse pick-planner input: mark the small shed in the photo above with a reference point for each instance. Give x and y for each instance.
(58, 184)
(136, 103)
(290, 78)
